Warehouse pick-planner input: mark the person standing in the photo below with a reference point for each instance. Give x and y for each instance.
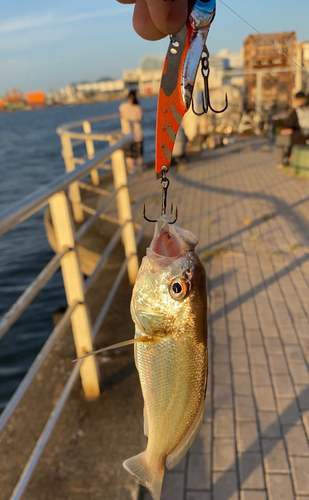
(131, 115)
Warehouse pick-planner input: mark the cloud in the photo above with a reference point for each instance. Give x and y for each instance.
(31, 22)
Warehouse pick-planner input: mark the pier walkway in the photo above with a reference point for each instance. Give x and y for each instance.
(252, 221)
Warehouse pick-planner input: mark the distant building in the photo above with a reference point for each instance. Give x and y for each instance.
(305, 63)
(234, 59)
(14, 99)
(36, 99)
(269, 69)
(131, 78)
(147, 78)
(105, 88)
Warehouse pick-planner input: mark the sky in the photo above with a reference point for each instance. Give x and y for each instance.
(47, 45)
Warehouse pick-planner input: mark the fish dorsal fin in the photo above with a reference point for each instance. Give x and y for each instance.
(174, 458)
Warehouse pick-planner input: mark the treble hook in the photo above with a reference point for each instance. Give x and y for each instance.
(165, 184)
(205, 97)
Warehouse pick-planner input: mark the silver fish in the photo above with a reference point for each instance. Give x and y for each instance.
(169, 311)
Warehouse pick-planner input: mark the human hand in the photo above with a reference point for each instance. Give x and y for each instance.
(286, 131)
(154, 19)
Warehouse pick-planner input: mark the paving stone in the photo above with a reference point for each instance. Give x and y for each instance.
(173, 486)
(288, 336)
(221, 354)
(282, 386)
(275, 458)
(208, 408)
(247, 436)
(273, 346)
(269, 424)
(254, 336)
(242, 384)
(305, 419)
(302, 393)
(219, 336)
(277, 365)
(305, 346)
(257, 355)
(300, 474)
(296, 440)
(279, 487)
(203, 441)
(244, 406)
(223, 423)
(224, 454)
(299, 372)
(198, 495)
(238, 344)
(253, 495)
(223, 397)
(222, 373)
(225, 486)
(235, 328)
(199, 471)
(269, 331)
(239, 362)
(260, 375)
(264, 398)
(288, 411)
(251, 471)
(294, 353)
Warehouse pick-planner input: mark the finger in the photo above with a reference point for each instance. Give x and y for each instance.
(168, 16)
(143, 24)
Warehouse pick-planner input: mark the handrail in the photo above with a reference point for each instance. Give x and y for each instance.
(100, 317)
(23, 386)
(12, 315)
(22, 209)
(79, 123)
(39, 447)
(66, 240)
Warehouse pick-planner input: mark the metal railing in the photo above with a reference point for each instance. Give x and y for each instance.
(64, 199)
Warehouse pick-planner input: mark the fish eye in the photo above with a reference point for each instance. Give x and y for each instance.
(178, 289)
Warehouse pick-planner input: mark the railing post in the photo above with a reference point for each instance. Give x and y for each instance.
(74, 288)
(125, 213)
(74, 193)
(91, 152)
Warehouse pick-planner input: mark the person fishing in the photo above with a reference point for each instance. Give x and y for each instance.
(297, 123)
(131, 115)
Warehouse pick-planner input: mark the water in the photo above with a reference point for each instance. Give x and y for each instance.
(30, 156)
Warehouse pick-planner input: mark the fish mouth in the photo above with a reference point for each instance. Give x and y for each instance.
(170, 242)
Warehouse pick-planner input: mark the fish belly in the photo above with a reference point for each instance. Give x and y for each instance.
(172, 374)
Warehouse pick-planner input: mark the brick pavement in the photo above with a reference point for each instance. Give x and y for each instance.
(252, 221)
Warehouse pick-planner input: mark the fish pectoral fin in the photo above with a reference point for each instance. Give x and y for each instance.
(174, 458)
(152, 479)
(144, 338)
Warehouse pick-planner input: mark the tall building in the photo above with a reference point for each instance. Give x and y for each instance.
(269, 69)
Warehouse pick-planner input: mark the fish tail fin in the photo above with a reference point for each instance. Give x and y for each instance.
(152, 479)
